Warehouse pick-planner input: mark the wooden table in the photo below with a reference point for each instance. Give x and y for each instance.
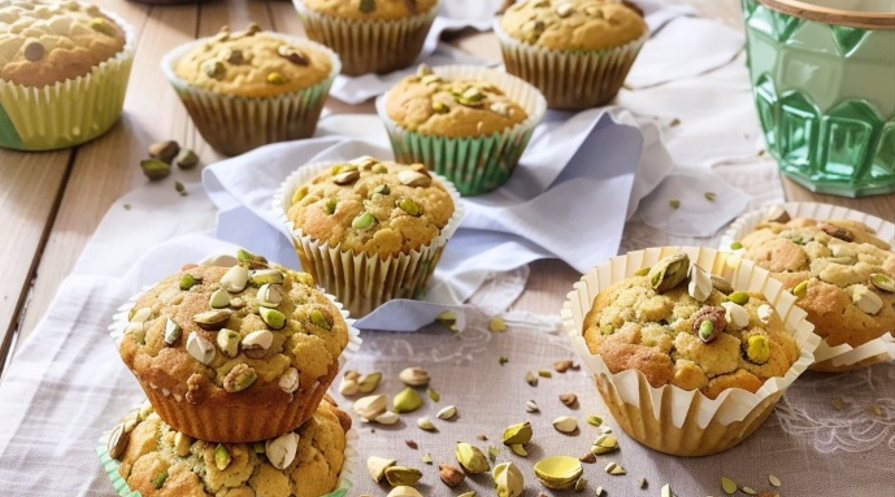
(52, 202)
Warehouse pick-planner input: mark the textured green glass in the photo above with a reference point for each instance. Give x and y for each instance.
(825, 97)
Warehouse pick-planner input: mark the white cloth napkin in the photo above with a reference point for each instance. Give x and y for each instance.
(680, 47)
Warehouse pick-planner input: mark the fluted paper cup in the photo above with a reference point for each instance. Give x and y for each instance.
(844, 357)
(201, 420)
(346, 475)
(570, 79)
(69, 112)
(361, 281)
(670, 419)
(369, 46)
(236, 124)
(476, 164)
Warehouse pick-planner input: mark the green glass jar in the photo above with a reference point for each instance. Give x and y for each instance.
(823, 79)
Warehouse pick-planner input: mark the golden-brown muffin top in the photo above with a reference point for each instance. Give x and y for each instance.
(573, 24)
(43, 42)
(839, 270)
(378, 10)
(253, 63)
(156, 460)
(374, 207)
(677, 327)
(254, 331)
(431, 105)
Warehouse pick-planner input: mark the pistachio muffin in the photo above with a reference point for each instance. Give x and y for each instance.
(469, 124)
(678, 328)
(369, 230)
(250, 88)
(370, 36)
(54, 57)
(157, 460)
(217, 349)
(840, 272)
(577, 52)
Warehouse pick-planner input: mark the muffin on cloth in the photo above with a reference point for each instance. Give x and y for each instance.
(251, 88)
(370, 36)
(368, 230)
(144, 454)
(688, 362)
(216, 349)
(840, 272)
(64, 68)
(469, 124)
(577, 52)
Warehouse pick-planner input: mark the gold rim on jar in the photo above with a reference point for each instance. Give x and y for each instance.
(829, 15)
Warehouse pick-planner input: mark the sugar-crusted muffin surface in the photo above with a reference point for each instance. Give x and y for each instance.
(453, 108)
(573, 24)
(378, 10)
(831, 266)
(633, 325)
(158, 461)
(253, 63)
(374, 207)
(240, 335)
(44, 42)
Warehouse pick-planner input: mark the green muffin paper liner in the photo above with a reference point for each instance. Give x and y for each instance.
(842, 357)
(111, 465)
(369, 46)
(236, 124)
(70, 112)
(478, 164)
(363, 282)
(570, 79)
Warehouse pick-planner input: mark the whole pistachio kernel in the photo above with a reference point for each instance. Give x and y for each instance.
(407, 400)
(276, 78)
(214, 69)
(883, 281)
(159, 480)
(228, 342)
(222, 457)
(319, 318)
(669, 272)
(739, 298)
(239, 378)
(382, 189)
(261, 277)
(736, 246)
(519, 433)
(409, 206)
(269, 295)
(187, 281)
(172, 331)
(758, 349)
(706, 331)
(440, 108)
(201, 349)
(363, 220)
(273, 318)
(471, 458)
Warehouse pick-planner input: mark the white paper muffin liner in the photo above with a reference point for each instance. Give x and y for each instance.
(841, 357)
(235, 124)
(363, 282)
(570, 79)
(69, 112)
(346, 476)
(369, 46)
(670, 419)
(476, 164)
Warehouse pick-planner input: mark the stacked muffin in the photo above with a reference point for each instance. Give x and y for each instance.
(235, 362)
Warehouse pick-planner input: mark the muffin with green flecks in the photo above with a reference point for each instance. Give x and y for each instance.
(250, 88)
(369, 231)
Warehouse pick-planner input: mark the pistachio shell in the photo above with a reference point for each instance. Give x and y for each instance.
(348, 386)
(261, 339)
(260, 277)
(883, 281)
(289, 381)
(508, 480)
(519, 433)
(414, 377)
(471, 458)
(604, 444)
(558, 472)
(228, 342)
(219, 299)
(404, 491)
(447, 412)
(281, 450)
(235, 279)
(270, 295)
(369, 382)
(669, 272)
(377, 465)
(172, 331)
(201, 349)
(402, 475)
(736, 315)
(387, 418)
(414, 178)
(212, 320)
(407, 400)
(118, 440)
(371, 406)
(565, 424)
(700, 286)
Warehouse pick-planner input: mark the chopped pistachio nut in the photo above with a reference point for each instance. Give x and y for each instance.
(427, 458)
(667, 492)
(800, 289)
(371, 406)
(615, 469)
(222, 457)
(493, 452)
(387, 418)
(409, 206)
(711, 196)
(503, 360)
(749, 490)
(235, 279)
(563, 366)
(736, 246)
(369, 382)
(758, 349)
(239, 378)
(273, 318)
(531, 378)
(497, 325)
(219, 299)
(228, 342)
(289, 381)
(883, 281)
(159, 480)
(200, 349)
(433, 395)
(450, 474)
(674, 203)
(739, 298)
(276, 78)
(172, 331)
(281, 450)
(367, 6)
(377, 466)
(568, 399)
(774, 481)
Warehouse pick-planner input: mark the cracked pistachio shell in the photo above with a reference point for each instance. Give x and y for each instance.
(519, 450)
(740, 298)
(402, 475)
(883, 281)
(266, 276)
(558, 472)
(865, 299)
(519, 433)
(235, 279)
(369, 382)
(187, 281)
(348, 386)
(261, 339)
(201, 349)
(700, 286)
(508, 480)
(253, 260)
(426, 424)
(404, 491)
(736, 315)
(407, 400)
(212, 320)
(377, 465)
(413, 178)
(281, 450)
(371, 406)
(604, 444)
(387, 418)
(273, 318)
(669, 272)
(222, 457)
(565, 424)
(118, 440)
(219, 299)
(172, 331)
(447, 412)
(471, 458)
(414, 377)
(289, 381)
(721, 284)
(228, 342)
(270, 295)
